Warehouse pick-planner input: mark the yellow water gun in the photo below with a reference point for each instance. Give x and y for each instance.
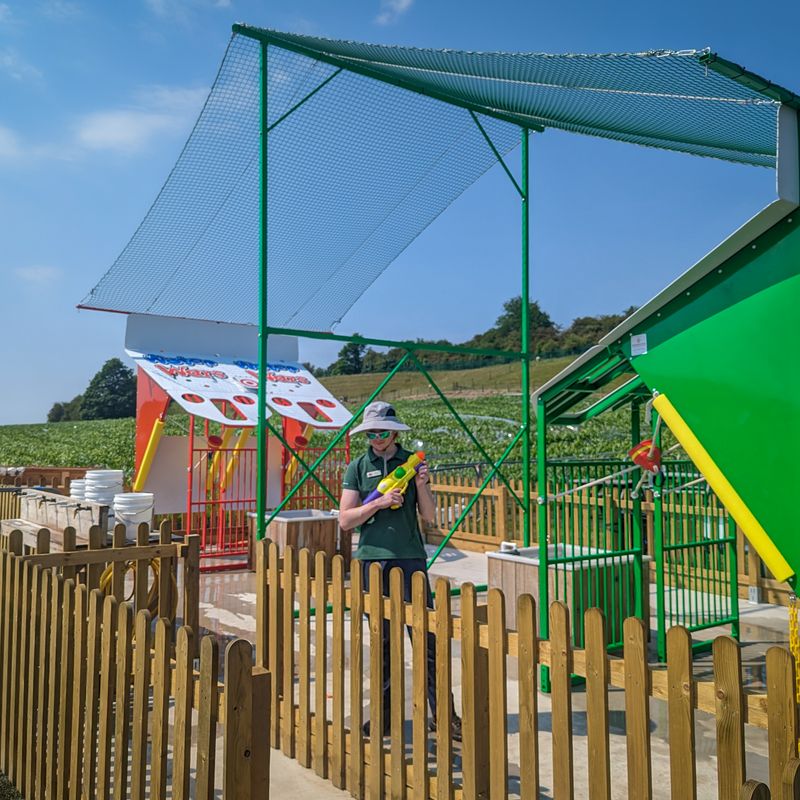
(399, 478)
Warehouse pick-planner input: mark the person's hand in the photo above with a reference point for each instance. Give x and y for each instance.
(423, 477)
(392, 498)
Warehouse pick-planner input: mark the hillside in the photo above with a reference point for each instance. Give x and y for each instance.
(497, 379)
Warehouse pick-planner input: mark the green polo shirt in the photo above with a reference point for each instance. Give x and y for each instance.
(390, 533)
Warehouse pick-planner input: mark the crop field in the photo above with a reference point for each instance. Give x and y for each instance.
(492, 419)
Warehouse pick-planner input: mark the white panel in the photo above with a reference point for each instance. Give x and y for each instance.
(148, 333)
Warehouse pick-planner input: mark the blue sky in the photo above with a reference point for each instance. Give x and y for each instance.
(97, 98)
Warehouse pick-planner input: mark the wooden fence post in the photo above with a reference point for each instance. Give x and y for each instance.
(730, 716)
(561, 702)
(681, 700)
(207, 723)
(597, 679)
(637, 710)
(498, 744)
(782, 714)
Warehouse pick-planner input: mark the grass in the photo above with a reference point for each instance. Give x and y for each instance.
(7, 790)
(497, 379)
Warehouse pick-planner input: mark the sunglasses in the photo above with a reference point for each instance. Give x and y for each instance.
(378, 435)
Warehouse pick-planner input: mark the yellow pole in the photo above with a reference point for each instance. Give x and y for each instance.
(149, 455)
(237, 448)
(730, 498)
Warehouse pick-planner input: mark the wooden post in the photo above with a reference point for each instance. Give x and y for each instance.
(781, 713)
(184, 688)
(238, 743)
(730, 717)
(142, 574)
(304, 659)
(93, 652)
(66, 667)
(105, 730)
(376, 723)
(419, 649)
(122, 694)
(681, 702)
(78, 722)
(262, 603)
(160, 717)
(275, 640)
(338, 758)
(166, 604)
(141, 692)
(597, 680)
(637, 710)
(561, 702)
(207, 721)
(474, 701)
(444, 692)
(397, 677)
(356, 681)
(498, 746)
(191, 590)
(288, 733)
(320, 755)
(48, 788)
(37, 746)
(118, 567)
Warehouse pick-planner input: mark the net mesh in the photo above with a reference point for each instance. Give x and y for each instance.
(358, 167)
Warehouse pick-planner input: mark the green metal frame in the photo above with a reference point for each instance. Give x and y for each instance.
(555, 404)
(411, 349)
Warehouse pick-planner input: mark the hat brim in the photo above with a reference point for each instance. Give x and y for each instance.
(380, 425)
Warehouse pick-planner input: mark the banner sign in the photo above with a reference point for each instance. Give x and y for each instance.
(227, 391)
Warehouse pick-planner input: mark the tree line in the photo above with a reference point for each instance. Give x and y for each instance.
(111, 394)
(546, 340)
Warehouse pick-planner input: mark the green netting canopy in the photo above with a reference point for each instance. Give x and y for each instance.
(368, 144)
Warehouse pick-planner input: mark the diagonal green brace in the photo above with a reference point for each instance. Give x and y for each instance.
(302, 102)
(428, 377)
(336, 439)
(279, 436)
(495, 467)
(497, 154)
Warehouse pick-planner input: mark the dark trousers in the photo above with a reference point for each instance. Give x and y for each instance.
(409, 566)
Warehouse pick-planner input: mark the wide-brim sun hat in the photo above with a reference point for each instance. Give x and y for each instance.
(380, 416)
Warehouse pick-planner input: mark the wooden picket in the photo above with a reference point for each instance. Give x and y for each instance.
(370, 766)
(86, 694)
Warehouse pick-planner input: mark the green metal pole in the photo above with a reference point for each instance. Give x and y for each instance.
(263, 335)
(733, 589)
(541, 530)
(526, 383)
(636, 526)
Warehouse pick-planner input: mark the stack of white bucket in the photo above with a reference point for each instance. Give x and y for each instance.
(77, 488)
(131, 509)
(101, 485)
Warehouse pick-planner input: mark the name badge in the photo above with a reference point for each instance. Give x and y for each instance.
(375, 473)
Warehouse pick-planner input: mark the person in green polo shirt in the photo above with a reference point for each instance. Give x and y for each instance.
(390, 536)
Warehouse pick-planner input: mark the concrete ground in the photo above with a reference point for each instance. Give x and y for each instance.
(227, 608)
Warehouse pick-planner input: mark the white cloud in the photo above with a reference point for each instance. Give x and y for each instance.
(16, 67)
(9, 144)
(392, 10)
(60, 9)
(38, 276)
(158, 110)
(180, 10)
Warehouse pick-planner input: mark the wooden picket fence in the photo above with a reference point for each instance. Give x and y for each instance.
(99, 702)
(324, 663)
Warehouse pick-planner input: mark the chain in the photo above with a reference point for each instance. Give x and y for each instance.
(794, 644)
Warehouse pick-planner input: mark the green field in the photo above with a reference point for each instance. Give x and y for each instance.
(488, 398)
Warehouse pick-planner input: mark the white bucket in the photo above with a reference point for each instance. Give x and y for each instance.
(133, 508)
(77, 489)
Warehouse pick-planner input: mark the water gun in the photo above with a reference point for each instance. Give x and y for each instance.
(398, 479)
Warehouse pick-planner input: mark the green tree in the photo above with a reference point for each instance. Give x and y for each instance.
(505, 333)
(350, 360)
(56, 413)
(111, 393)
(72, 409)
